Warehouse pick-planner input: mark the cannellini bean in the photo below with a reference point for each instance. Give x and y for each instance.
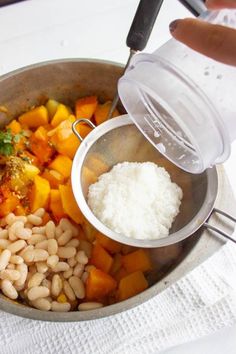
(66, 252)
(81, 257)
(40, 212)
(14, 228)
(21, 218)
(50, 229)
(52, 246)
(42, 245)
(37, 292)
(36, 280)
(65, 224)
(24, 250)
(16, 259)
(34, 219)
(4, 243)
(42, 304)
(28, 256)
(86, 247)
(42, 267)
(8, 289)
(61, 267)
(64, 238)
(52, 260)
(23, 269)
(60, 307)
(10, 218)
(3, 234)
(84, 277)
(10, 266)
(73, 243)
(56, 285)
(71, 261)
(85, 306)
(58, 232)
(68, 291)
(47, 283)
(16, 246)
(40, 255)
(68, 273)
(78, 270)
(77, 286)
(10, 274)
(38, 230)
(36, 238)
(23, 233)
(4, 259)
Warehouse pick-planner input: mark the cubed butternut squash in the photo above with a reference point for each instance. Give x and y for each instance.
(54, 177)
(102, 111)
(61, 114)
(69, 204)
(62, 164)
(138, 260)
(101, 259)
(35, 117)
(39, 195)
(55, 204)
(85, 107)
(41, 134)
(51, 106)
(15, 127)
(109, 244)
(41, 149)
(89, 231)
(99, 285)
(8, 201)
(131, 285)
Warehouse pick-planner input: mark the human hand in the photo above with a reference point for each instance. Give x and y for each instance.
(215, 41)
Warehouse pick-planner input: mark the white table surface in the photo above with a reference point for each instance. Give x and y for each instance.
(37, 30)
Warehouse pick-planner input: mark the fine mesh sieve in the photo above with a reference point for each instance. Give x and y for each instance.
(118, 140)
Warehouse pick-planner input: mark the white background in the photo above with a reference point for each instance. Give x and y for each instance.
(39, 30)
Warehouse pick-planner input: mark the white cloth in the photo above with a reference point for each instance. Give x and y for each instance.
(201, 303)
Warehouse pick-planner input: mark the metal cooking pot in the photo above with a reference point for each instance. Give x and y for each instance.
(65, 81)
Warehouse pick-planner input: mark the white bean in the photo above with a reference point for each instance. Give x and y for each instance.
(74, 242)
(4, 243)
(38, 230)
(40, 255)
(4, 259)
(22, 233)
(23, 269)
(71, 261)
(37, 292)
(35, 220)
(60, 307)
(21, 218)
(10, 219)
(42, 304)
(84, 277)
(16, 246)
(28, 256)
(86, 306)
(42, 267)
(36, 280)
(58, 232)
(61, 267)
(78, 270)
(10, 266)
(40, 212)
(77, 286)
(81, 257)
(16, 226)
(8, 289)
(52, 260)
(42, 245)
(10, 274)
(24, 250)
(3, 234)
(50, 229)
(66, 252)
(68, 273)
(56, 285)
(68, 291)
(47, 283)
(65, 224)
(36, 238)
(64, 238)
(52, 246)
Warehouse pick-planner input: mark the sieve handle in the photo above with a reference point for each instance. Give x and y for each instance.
(81, 121)
(216, 229)
(143, 23)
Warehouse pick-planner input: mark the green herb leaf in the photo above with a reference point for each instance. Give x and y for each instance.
(6, 143)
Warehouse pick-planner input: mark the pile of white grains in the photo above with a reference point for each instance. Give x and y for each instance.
(45, 266)
(137, 200)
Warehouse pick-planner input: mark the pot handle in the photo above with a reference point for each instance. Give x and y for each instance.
(216, 229)
(79, 121)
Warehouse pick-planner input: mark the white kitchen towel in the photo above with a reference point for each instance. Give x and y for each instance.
(201, 303)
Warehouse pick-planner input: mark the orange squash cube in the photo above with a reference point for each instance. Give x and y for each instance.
(39, 195)
(85, 107)
(55, 204)
(109, 244)
(54, 177)
(35, 117)
(62, 164)
(41, 134)
(138, 260)
(69, 204)
(102, 111)
(99, 285)
(101, 259)
(131, 285)
(15, 127)
(61, 114)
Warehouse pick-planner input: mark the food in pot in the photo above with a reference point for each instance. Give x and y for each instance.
(51, 258)
(137, 200)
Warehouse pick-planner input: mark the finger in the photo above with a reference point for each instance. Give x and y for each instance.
(215, 41)
(220, 4)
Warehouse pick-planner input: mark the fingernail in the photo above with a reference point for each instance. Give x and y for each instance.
(173, 25)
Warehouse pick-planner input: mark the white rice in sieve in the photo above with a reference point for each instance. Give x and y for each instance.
(135, 199)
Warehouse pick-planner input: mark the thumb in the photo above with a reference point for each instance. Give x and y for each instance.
(215, 41)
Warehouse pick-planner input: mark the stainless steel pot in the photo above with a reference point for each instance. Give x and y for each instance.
(66, 80)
